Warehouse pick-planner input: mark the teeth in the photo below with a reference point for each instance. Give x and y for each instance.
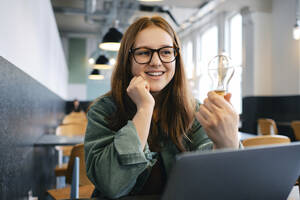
(154, 73)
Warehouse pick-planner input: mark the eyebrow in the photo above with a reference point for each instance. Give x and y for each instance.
(145, 46)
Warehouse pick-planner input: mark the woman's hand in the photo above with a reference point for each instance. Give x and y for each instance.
(219, 120)
(139, 92)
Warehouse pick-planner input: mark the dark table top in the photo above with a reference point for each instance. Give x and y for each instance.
(55, 140)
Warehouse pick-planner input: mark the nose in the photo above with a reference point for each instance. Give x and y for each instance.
(155, 60)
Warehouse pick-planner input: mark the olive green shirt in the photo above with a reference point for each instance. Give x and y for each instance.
(115, 161)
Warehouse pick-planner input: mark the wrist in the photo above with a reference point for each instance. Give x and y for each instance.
(234, 145)
(145, 107)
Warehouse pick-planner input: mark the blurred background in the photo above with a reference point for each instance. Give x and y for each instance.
(50, 55)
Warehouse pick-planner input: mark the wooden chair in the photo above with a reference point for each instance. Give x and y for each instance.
(70, 120)
(75, 117)
(267, 126)
(266, 140)
(86, 188)
(69, 130)
(296, 129)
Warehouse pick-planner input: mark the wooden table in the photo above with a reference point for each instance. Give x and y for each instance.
(243, 135)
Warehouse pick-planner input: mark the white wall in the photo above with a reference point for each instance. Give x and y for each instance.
(262, 53)
(285, 50)
(275, 53)
(30, 40)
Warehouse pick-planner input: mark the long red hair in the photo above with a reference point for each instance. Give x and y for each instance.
(174, 105)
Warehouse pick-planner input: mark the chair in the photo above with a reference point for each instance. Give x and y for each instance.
(66, 130)
(69, 130)
(266, 140)
(75, 117)
(86, 188)
(267, 127)
(78, 120)
(296, 129)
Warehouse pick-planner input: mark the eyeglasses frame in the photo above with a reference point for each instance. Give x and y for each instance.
(131, 51)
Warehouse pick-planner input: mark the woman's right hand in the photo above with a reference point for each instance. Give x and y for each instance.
(139, 92)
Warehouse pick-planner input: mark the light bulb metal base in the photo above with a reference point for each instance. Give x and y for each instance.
(220, 92)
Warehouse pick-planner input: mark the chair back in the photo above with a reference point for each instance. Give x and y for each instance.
(71, 129)
(266, 140)
(296, 129)
(267, 127)
(75, 117)
(77, 151)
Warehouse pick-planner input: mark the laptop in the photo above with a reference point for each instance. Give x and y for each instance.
(266, 172)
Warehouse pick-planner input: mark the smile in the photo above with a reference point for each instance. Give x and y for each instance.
(154, 73)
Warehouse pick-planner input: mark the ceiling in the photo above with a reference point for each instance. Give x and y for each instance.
(94, 17)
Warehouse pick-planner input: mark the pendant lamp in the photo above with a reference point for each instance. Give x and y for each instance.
(111, 40)
(96, 75)
(296, 30)
(102, 63)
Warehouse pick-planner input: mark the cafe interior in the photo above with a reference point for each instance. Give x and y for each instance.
(54, 63)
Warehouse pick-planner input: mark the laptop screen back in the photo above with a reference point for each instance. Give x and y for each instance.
(253, 173)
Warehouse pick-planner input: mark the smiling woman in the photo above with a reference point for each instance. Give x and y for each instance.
(154, 59)
(135, 131)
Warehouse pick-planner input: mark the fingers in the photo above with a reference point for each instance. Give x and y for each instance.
(218, 100)
(204, 112)
(210, 106)
(201, 118)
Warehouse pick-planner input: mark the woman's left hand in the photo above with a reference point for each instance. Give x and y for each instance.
(219, 120)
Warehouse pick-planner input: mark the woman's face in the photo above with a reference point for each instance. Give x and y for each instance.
(157, 73)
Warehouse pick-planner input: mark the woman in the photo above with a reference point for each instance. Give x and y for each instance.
(135, 131)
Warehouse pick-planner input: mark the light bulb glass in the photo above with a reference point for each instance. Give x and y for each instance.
(220, 70)
(91, 61)
(112, 61)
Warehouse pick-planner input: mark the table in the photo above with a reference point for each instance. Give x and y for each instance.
(243, 135)
(55, 140)
(49, 140)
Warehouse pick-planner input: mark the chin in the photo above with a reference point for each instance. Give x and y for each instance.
(154, 89)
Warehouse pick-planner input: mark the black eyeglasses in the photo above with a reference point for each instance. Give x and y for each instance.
(144, 55)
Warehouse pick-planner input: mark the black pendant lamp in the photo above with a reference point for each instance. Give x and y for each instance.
(102, 63)
(111, 40)
(96, 75)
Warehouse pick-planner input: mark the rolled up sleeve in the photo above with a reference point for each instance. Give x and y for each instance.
(114, 159)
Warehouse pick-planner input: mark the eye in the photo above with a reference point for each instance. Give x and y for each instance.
(142, 52)
(166, 52)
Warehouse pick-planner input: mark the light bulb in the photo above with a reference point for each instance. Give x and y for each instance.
(91, 61)
(220, 70)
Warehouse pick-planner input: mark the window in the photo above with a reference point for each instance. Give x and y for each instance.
(235, 52)
(189, 67)
(208, 50)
